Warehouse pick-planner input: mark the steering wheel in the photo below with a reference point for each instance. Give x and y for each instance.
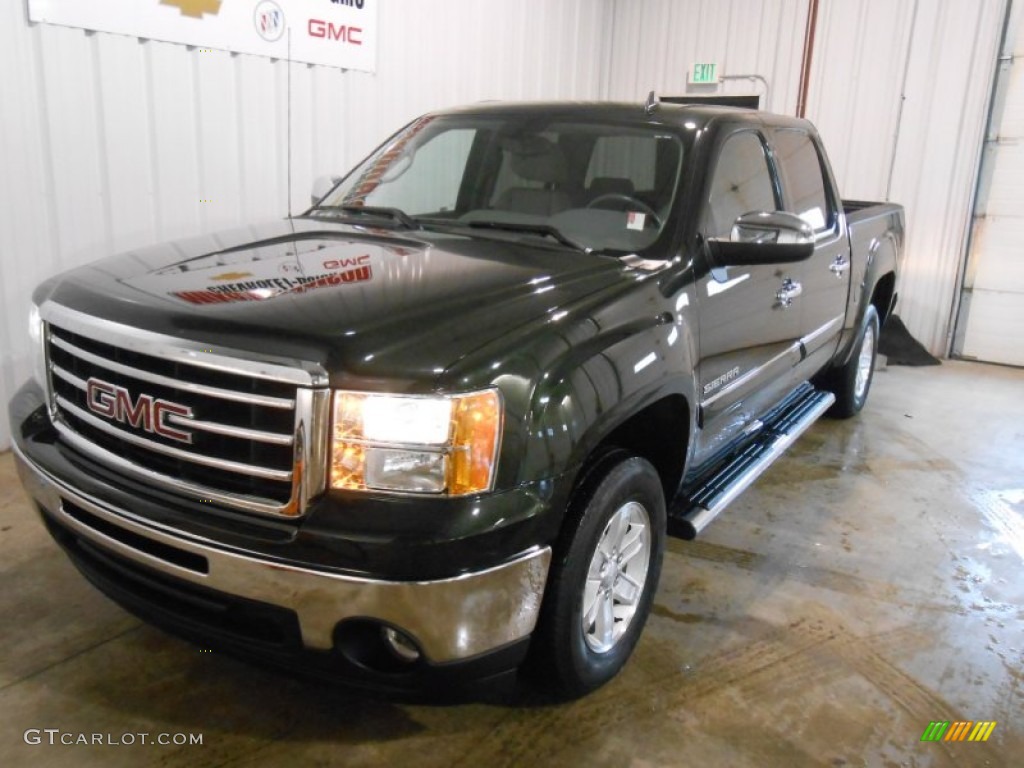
(619, 197)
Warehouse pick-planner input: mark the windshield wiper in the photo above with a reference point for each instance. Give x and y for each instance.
(380, 211)
(545, 230)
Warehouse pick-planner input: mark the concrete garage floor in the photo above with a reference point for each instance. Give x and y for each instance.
(870, 583)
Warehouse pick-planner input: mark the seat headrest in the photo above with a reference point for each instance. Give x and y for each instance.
(536, 158)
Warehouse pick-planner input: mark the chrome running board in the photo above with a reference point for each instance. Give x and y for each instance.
(701, 501)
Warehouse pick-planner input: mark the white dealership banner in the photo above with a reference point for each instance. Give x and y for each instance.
(335, 33)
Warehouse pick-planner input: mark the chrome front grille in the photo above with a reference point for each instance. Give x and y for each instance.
(218, 427)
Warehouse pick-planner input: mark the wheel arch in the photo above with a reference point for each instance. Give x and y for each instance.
(883, 297)
(650, 432)
(632, 430)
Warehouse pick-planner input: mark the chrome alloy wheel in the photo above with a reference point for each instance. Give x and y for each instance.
(616, 577)
(865, 362)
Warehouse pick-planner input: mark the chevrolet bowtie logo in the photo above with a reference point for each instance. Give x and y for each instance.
(194, 8)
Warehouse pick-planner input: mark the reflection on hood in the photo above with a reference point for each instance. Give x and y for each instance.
(248, 275)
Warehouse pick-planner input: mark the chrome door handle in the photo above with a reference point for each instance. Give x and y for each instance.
(788, 292)
(839, 266)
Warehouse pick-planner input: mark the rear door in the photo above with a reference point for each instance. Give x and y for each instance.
(748, 338)
(825, 277)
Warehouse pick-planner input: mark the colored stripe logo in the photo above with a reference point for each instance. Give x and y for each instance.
(961, 730)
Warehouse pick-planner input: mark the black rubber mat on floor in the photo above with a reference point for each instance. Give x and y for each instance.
(900, 348)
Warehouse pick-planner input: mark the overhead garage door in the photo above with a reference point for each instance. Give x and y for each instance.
(992, 314)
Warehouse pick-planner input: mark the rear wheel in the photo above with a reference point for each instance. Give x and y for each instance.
(852, 382)
(603, 582)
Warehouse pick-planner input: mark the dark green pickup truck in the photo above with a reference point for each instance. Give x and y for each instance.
(441, 423)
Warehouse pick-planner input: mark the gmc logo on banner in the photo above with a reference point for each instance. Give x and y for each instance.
(328, 30)
(146, 413)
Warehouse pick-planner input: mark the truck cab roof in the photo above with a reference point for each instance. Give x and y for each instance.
(665, 113)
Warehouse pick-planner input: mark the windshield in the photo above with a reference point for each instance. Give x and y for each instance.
(594, 185)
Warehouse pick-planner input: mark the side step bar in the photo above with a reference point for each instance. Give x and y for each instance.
(700, 502)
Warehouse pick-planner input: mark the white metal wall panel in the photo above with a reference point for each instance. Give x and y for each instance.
(108, 143)
(174, 153)
(654, 43)
(856, 80)
(952, 60)
(937, 57)
(995, 280)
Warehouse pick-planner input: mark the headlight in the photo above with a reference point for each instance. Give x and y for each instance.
(37, 353)
(415, 444)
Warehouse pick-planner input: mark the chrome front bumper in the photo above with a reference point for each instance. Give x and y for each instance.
(451, 619)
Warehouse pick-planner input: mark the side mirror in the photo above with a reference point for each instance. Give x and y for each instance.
(763, 237)
(322, 185)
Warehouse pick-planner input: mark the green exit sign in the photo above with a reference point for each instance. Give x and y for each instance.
(704, 74)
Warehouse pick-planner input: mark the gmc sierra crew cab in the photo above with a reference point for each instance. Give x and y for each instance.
(441, 423)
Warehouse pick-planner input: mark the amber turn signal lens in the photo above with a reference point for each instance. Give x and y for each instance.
(475, 443)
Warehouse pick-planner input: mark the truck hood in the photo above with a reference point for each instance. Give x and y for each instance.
(365, 303)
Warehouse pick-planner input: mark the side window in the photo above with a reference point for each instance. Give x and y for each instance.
(742, 183)
(802, 178)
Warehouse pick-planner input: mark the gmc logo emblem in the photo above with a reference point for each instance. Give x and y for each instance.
(328, 30)
(147, 413)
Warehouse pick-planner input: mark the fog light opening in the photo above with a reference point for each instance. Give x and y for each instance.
(400, 644)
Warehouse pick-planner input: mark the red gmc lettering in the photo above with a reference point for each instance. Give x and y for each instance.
(161, 409)
(328, 30)
(146, 413)
(346, 262)
(101, 398)
(139, 415)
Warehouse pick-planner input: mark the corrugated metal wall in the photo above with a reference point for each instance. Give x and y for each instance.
(857, 74)
(939, 55)
(108, 143)
(655, 42)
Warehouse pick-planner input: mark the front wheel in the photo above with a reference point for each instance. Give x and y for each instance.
(851, 383)
(603, 582)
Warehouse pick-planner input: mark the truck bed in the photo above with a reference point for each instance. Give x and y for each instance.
(859, 210)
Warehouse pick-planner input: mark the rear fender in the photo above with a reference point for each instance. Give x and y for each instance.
(880, 261)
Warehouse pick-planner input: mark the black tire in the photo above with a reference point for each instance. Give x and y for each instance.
(572, 658)
(845, 383)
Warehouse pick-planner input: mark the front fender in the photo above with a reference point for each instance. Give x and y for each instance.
(600, 382)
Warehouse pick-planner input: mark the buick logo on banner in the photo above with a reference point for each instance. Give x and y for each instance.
(269, 20)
